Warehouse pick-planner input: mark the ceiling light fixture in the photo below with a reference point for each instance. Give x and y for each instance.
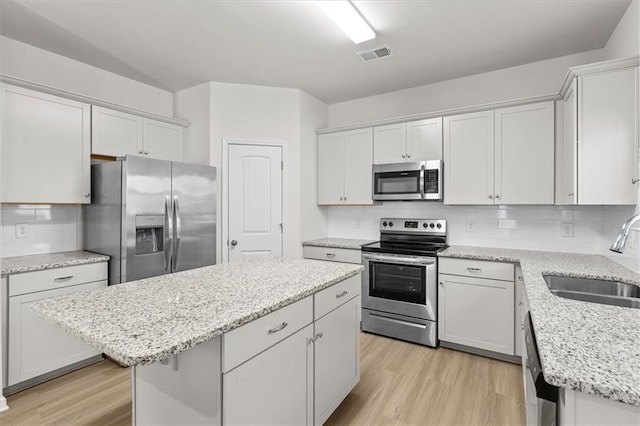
(345, 16)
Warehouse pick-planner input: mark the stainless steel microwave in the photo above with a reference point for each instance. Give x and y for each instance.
(408, 181)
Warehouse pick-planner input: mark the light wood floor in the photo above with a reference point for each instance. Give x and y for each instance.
(400, 383)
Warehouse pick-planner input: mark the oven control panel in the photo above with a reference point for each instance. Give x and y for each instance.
(422, 226)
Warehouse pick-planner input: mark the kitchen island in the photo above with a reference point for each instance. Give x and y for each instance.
(277, 338)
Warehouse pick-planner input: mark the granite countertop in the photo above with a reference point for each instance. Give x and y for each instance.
(587, 347)
(37, 262)
(345, 243)
(145, 321)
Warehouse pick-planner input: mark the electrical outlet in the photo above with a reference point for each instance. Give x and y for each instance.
(567, 229)
(358, 223)
(22, 230)
(470, 225)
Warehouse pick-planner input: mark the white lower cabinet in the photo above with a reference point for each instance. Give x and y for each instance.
(273, 388)
(477, 309)
(35, 346)
(520, 312)
(337, 369)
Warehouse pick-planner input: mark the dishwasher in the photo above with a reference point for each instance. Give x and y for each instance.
(546, 395)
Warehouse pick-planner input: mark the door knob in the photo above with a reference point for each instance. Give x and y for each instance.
(234, 243)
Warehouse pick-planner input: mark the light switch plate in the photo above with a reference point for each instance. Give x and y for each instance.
(22, 230)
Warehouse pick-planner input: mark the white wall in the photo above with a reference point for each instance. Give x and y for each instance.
(194, 104)
(625, 39)
(41, 66)
(535, 79)
(313, 219)
(247, 112)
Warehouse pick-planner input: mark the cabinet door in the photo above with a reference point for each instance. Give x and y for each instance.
(389, 143)
(476, 312)
(273, 388)
(358, 159)
(337, 367)
(45, 148)
(469, 158)
(568, 168)
(524, 149)
(162, 140)
(115, 133)
(331, 168)
(424, 140)
(38, 347)
(607, 137)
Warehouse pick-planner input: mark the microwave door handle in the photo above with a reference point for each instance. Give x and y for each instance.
(422, 172)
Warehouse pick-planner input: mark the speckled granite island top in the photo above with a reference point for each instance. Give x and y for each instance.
(37, 262)
(346, 243)
(145, 321)
(588, 347)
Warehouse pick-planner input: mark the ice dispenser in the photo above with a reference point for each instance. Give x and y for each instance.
(149, 234)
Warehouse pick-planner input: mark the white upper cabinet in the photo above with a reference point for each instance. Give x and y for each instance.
(504, 156)
(407, 142)
(116, 134)
(45, 148)
(468, 158)
(567, 171)
(524, 149)
(344, 167)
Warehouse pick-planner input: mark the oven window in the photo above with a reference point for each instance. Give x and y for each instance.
(405, 283)
(397, 182)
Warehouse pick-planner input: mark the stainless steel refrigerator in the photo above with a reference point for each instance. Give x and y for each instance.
(153, 217)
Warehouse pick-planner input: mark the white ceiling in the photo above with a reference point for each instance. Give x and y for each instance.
(178, 44)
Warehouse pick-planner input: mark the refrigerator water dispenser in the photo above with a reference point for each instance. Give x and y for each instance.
(149, 234)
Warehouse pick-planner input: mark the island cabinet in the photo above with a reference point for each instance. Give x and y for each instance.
(45, 148)
(344, 167)
(503, 156)
(116, 133)
(476, 305)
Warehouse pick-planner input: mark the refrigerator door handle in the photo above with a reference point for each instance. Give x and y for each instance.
(178, 231)
(168, 235)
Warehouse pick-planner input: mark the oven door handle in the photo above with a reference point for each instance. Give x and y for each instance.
(399, 259)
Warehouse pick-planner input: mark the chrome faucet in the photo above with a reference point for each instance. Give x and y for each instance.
(619, 243)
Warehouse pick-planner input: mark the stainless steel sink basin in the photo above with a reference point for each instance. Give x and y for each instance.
(596, 291)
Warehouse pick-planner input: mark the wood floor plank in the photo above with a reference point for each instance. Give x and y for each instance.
(401, 384)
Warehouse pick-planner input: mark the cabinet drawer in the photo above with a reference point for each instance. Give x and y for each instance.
(330, 298)
(50, 279)
(250, 339)
(332, 254)
(476, 268)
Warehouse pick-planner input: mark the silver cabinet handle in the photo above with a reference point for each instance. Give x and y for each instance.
(339, 295)
(278, 328)
(177, 218)
(330, 255)
(403, 156)
(497, 196)
(408, 155)
(146, 153)
(522, 328)
(345, 198)
(441, 284)
(491, 197)
(140, 151)
(635, 180)
(472, 269)
(87, 194)
(60, 279)
(340, 198)
(571, 194)
(234, 243)
(316, 337)
(520, 303)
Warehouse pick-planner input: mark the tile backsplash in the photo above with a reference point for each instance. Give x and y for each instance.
(580, 229)
(34, 229)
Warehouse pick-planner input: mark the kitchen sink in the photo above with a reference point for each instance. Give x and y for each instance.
(595, 291)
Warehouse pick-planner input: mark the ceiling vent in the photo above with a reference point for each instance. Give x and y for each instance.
(375, 54)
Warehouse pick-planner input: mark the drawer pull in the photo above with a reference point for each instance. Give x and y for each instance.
(339, 295)
(331, 255)
(278, 328)
(316, 337)
(472, 269)
(60, 279)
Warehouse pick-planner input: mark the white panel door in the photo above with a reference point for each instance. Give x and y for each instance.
(162, 140)
(331, 168)
(424, 140)
(358, 159)
(469, 158)
(608, 137)
(524, 149)
(389, 144)
(255, 201)
(45, 148)
(115, 133)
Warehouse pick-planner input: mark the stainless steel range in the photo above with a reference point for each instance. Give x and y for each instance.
(399, 283)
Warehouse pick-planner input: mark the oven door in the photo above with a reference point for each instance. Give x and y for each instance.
(399, 284)
(402, 181)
